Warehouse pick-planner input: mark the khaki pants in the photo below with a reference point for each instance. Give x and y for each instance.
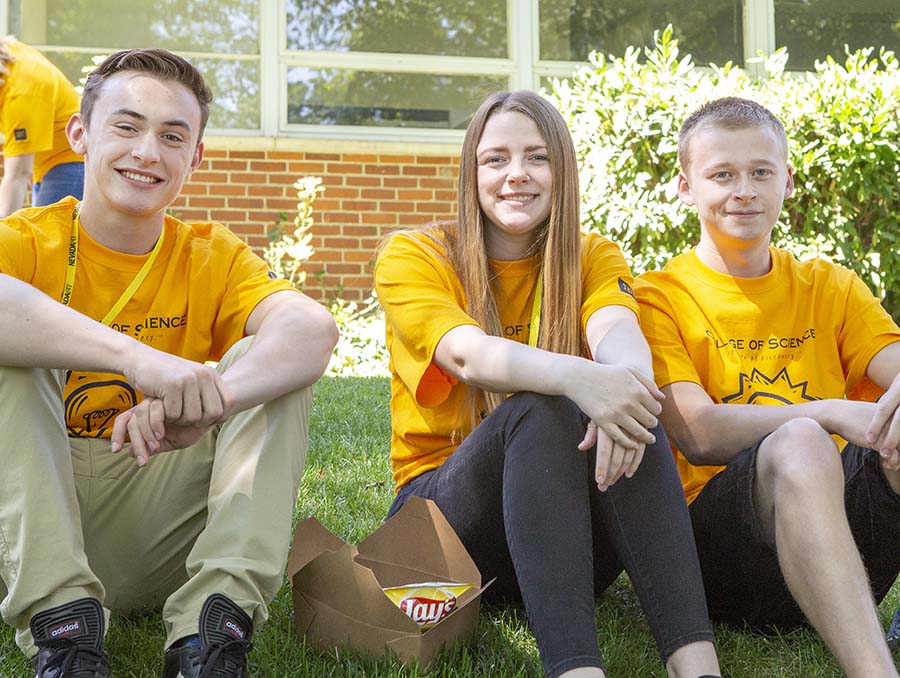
(78, 521)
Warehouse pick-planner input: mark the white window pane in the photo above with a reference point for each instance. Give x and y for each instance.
(710, 30)
(227, 26)
(72, 64)
(342, 97)
(235, 85)
(447, 27)
(814, 29)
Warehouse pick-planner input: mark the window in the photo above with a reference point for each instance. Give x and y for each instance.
(401, 63)
(448, 28)
(813, 29)
(329, 96)
(414, 70)
(570, 30)
(221, 38)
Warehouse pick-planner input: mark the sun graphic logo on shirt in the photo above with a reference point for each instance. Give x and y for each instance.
(759, 389)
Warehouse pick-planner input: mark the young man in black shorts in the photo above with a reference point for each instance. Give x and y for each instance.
(755, 352)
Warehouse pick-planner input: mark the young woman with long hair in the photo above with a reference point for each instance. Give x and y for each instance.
(523, 400)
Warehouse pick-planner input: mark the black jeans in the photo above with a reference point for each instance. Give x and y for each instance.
(522, 499)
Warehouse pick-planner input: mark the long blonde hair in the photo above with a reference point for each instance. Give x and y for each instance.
(558, 243)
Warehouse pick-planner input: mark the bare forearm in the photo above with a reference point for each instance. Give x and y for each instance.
(503, 366)
(621, 402)
(623, 344)
(38, 331)
(12, 194)
(14, 185)
(290, 351)
(716, 433)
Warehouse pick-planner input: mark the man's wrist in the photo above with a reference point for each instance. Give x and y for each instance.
(822, 411)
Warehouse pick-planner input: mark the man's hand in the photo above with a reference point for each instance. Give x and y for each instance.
(613, 460)
(182, 401)
(883, 432)
(853, 421)
(191, 394)
(145, 427)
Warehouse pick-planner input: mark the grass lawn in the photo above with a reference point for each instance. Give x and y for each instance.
(347, 486)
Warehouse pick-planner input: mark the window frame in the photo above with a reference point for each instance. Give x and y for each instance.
(523, 68)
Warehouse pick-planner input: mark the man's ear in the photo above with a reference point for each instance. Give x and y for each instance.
(75, 132)
(198, 156)
(789, 186)
(684, 190)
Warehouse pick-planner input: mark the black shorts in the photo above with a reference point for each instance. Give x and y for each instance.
(740, 566)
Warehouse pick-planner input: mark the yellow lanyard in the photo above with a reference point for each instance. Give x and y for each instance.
(535, 328)
(129, 291)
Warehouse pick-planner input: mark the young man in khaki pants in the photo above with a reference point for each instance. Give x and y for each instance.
(109, 310)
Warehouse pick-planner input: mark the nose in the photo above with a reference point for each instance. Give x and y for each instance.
(146, 149)
(745, 189)
(517, 172)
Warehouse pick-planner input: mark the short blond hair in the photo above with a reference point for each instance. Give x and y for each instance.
(727, 113)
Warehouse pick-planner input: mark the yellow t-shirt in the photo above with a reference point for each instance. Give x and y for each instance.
(36, 102)
(423, 300)
(194, 302)
(804, 331)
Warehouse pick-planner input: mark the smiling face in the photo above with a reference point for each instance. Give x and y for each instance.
(515, 183)
(140, 146)
(737, 179)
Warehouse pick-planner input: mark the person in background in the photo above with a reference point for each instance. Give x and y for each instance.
(36, 102)
(523, 401)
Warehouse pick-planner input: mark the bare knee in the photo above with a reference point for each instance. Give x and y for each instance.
(799, 458)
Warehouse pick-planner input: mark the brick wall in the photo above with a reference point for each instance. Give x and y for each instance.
(367, 195)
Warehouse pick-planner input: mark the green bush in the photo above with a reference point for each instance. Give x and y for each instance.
(361, 350)
(842, 125)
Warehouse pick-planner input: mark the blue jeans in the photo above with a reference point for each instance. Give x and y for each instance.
(522, 499)
(64, 179)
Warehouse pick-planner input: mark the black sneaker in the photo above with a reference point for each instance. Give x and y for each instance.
(69, 639)
(225, 632)
(182, 662)
(893, 634)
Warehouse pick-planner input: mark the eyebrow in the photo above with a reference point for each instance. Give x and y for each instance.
(729, 165)
(177, 122)
(493, 149)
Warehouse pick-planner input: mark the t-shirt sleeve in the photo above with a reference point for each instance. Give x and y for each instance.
(867, 328)
(671, 360)
(247, 283)
(26, 121)
(421, 303)
(606, 278)
(17, 253)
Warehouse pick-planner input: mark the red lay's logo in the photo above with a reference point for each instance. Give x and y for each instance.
(426, 603)
(427, 610)
(72, 627)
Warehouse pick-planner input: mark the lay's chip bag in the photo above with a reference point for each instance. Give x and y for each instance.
(427, 603)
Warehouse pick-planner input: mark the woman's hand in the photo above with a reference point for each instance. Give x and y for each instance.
(613, 460)
(622, 402)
